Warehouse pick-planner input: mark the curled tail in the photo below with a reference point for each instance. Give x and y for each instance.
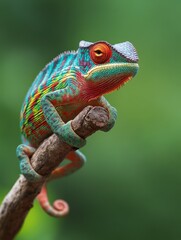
(60, 207)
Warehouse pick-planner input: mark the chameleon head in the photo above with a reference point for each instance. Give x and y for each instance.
(106, 67)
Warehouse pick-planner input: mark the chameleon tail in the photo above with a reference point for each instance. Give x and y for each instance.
(60, 208)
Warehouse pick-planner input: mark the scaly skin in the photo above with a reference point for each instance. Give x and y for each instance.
(69, 83)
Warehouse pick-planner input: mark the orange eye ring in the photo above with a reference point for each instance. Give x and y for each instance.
(100, 53)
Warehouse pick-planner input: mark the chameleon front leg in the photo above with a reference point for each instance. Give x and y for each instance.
(63, 130)
(60, 207)
(112, 113)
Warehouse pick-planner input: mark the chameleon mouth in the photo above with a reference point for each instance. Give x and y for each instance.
(111, 70)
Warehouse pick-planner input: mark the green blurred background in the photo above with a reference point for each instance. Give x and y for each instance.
(130, 186)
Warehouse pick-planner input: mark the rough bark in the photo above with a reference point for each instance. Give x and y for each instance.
(48, 156)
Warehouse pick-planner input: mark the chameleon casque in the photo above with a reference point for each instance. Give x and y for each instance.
(69, 83)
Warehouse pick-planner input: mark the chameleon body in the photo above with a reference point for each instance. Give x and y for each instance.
(69, 83)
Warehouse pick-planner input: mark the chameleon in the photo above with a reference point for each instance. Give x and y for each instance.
(66, 85)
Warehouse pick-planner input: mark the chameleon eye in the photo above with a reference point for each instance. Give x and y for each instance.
(100, 53)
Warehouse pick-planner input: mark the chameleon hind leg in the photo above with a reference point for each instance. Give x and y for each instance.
(60, 207)
(24, 153)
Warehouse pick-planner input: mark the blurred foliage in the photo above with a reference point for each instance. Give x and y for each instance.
(130, 187)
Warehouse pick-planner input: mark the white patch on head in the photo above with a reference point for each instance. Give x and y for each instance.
(127, 50)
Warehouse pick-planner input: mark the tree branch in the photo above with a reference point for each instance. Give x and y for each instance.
(48, 156)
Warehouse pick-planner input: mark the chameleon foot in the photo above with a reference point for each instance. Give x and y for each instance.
(60, 207)
(112, 114)
(67, 134)
(24, 152)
